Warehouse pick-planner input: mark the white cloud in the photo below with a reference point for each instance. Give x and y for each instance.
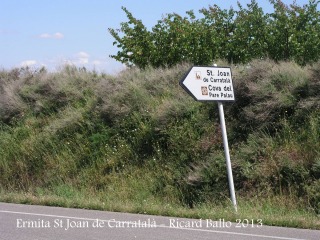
(28, 63)
(96, 62)
(56, 35)
(79, 59)
(83, 55)
(82, 58)
(45, 35)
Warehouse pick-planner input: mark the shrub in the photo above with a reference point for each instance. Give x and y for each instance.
(11, 104)
(267, 92)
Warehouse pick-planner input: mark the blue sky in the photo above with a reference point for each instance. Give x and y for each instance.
(52, 33)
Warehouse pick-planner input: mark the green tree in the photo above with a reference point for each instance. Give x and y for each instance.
(280, 30)
(238, 36)
(134, 40)
(171, 38)
(306, 40)
(294, 32)
(250, 34)
(220, 25)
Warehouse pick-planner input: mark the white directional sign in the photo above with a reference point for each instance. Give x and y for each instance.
(209, 83)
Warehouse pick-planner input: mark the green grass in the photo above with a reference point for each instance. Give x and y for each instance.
(136, 142)
(276, 211)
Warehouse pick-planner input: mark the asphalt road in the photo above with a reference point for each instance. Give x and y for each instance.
(25, 222)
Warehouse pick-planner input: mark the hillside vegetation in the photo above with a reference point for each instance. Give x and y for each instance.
(138, 142)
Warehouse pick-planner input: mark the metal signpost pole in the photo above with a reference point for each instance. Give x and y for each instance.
(227, 155)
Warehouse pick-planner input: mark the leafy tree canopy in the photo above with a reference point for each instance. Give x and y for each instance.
(290, 32)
